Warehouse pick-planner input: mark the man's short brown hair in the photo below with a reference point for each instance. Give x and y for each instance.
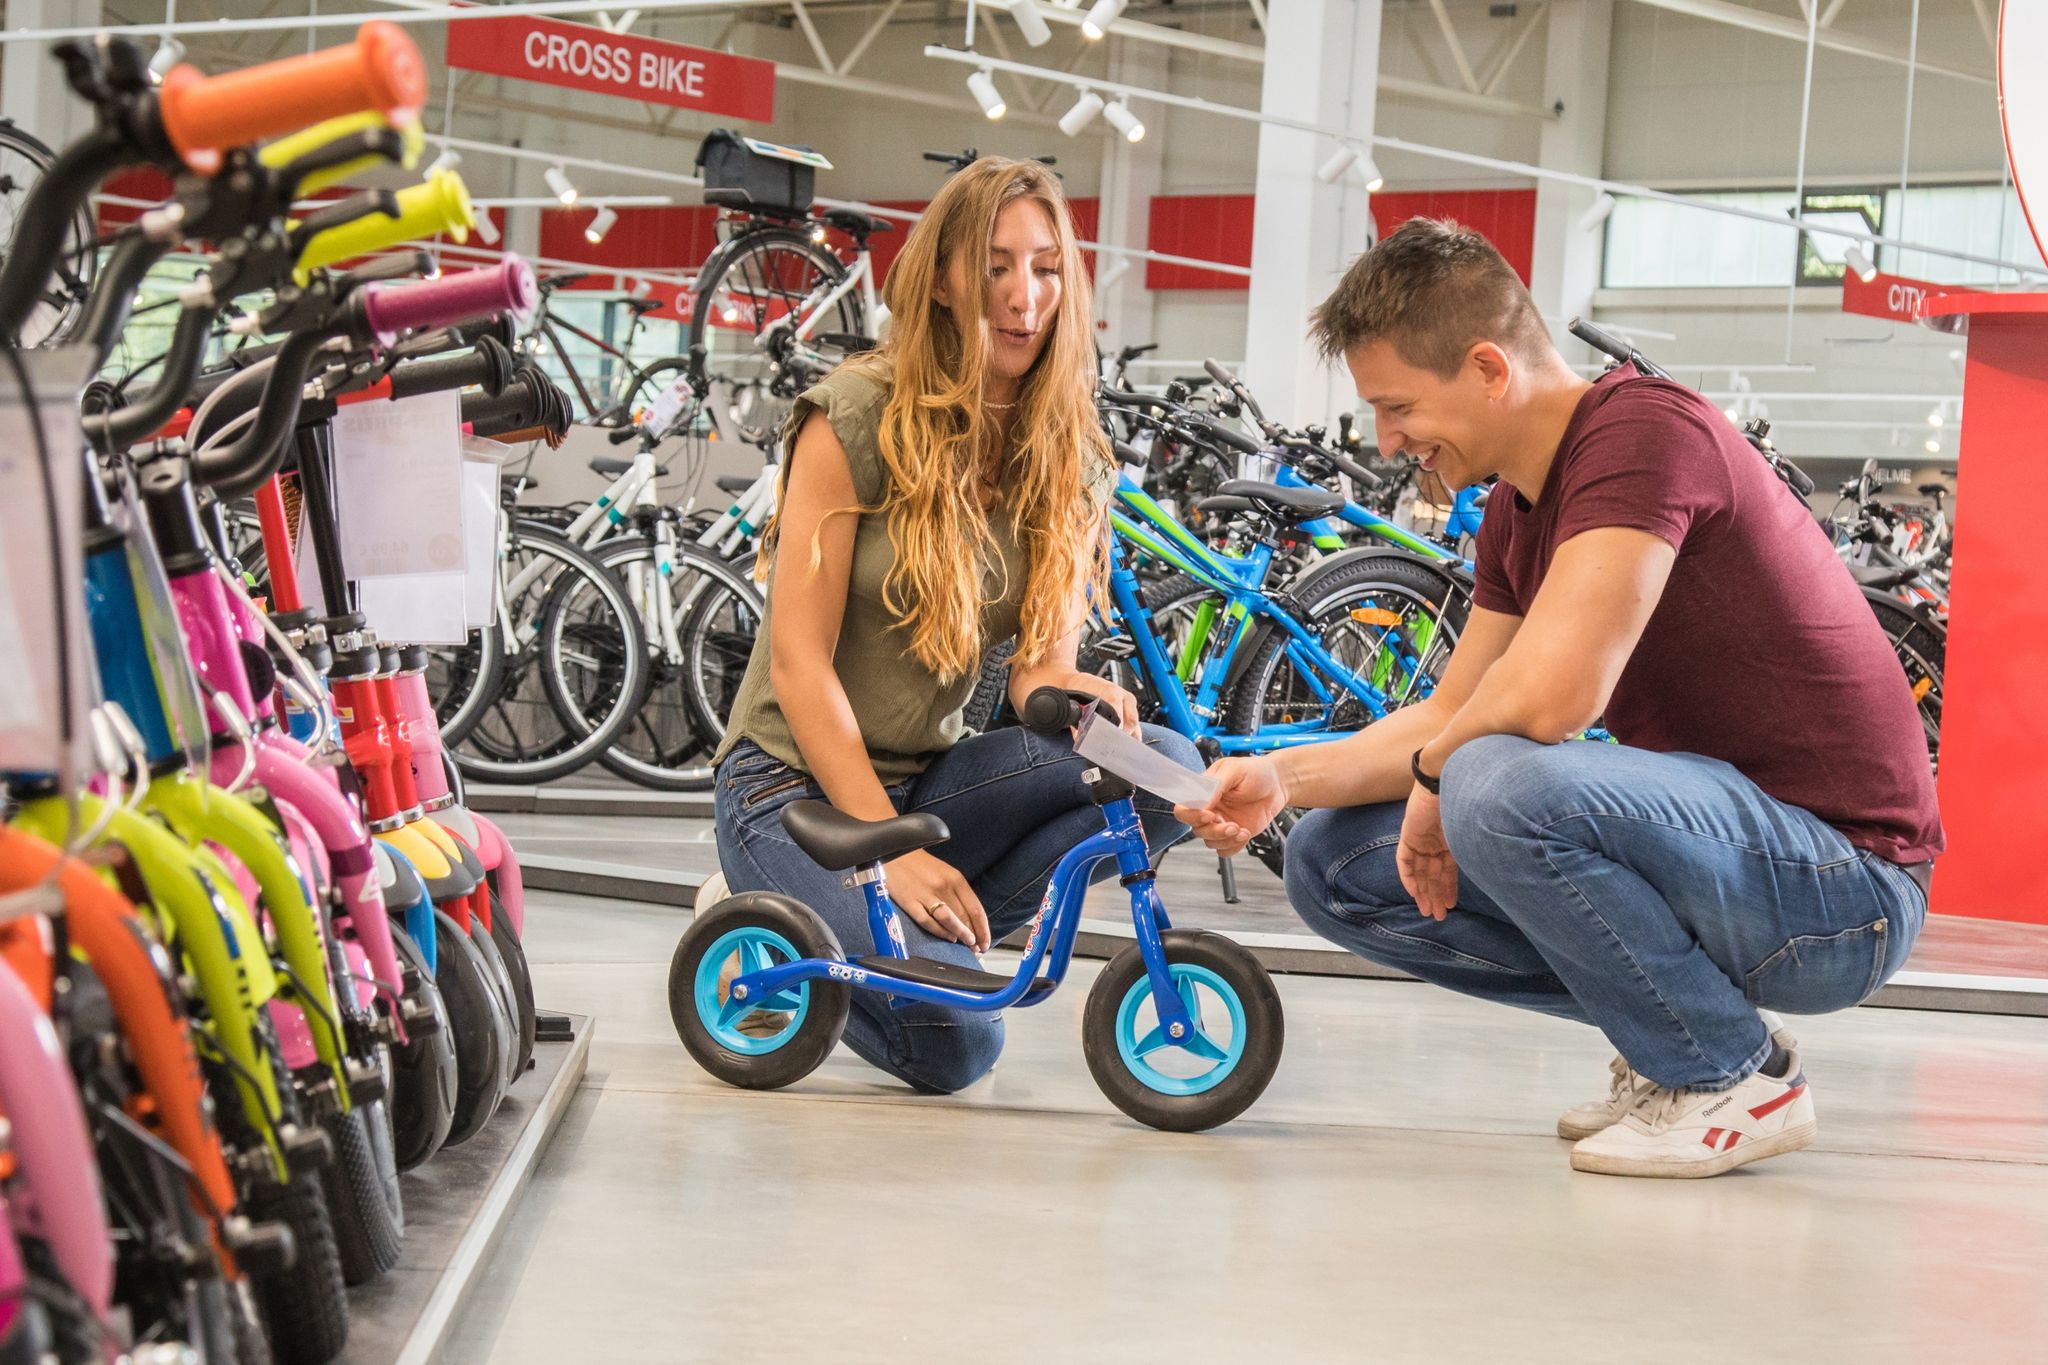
(1434, 290)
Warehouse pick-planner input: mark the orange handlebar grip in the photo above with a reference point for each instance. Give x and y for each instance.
(382, 70)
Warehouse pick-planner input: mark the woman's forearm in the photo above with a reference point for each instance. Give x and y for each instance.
(821, 721)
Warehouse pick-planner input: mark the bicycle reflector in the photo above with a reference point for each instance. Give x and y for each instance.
(1375, 616)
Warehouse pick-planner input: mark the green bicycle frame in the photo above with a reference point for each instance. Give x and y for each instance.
(199, 812)
(195, 908)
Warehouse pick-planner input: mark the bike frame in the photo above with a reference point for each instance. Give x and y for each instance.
(1241, 584)
(1123, 839)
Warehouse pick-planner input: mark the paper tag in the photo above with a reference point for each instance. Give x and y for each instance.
(41, 464)
(415, 609)
(398, 485)
(479, 539)
(1103, 742)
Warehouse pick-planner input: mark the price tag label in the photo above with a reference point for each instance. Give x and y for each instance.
(398, 483)
(47, 652)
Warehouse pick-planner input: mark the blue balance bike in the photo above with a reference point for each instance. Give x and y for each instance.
(1182, 1031)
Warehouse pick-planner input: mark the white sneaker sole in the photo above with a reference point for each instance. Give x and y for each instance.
(1579, 1132)
(1686, 1168)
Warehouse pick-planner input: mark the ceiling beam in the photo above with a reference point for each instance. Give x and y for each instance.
(1778, 26)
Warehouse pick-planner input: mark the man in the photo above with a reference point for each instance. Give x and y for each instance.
(1762, 834)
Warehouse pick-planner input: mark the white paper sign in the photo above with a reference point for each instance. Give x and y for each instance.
(479, 532)
(1102, 742)
(415, 609)
(398, 484)
(41, 468)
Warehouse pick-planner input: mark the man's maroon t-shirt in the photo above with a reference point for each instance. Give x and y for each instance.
(1762, 651)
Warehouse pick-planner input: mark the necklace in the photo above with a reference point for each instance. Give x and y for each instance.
(999, 407)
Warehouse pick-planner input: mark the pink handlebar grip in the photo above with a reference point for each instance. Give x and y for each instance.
(507, 287)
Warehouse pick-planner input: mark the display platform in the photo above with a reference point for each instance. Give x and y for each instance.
(1968, 966)
(457, 1205)
(581, 800)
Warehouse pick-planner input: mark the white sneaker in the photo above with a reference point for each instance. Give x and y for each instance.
(1685, 1134)
(1582, 1121)
(759, 1024)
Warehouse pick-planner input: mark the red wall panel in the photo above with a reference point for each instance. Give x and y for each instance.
(1218, 227)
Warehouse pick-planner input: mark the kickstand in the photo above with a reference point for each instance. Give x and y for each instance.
(1227, 872)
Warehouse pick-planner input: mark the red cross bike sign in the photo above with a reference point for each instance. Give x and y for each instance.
(581, 57)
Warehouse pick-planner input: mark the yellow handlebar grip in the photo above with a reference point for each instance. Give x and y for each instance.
(286, 150)
(426, 210)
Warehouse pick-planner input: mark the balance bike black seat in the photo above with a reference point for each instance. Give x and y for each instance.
(836, 841)
(1306, 503)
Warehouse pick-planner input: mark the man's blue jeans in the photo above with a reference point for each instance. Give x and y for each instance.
(1015, 804)
(1661, 897)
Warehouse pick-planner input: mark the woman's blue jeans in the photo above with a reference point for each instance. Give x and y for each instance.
(1014, 802)
(1661, 897)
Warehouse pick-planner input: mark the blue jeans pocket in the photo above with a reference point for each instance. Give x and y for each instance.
(1822, 973)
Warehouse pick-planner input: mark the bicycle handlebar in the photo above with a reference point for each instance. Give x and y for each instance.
(507, 287)
(381, 70)
(438, 205)
(488, 365)
(1615, 348)
(1052, 711)
(315, 145)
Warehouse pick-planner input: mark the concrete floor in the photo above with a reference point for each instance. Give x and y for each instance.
(1396, 1196)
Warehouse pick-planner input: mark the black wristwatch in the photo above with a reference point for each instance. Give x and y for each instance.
(1432, 785)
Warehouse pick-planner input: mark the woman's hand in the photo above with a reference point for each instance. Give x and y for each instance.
(1125, 703)
(1249, 793)
(938, 899)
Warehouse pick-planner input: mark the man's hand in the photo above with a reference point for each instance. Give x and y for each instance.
(938, 899)
(1424, 858)
(1249, 793)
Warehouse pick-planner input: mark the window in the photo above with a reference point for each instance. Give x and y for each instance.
(1654, 244)
(1984, 220)
(1824, 259)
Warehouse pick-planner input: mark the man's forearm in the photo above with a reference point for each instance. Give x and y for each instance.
(1506, 704)
(1370, 766)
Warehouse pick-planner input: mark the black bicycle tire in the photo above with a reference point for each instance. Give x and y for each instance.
(1906, 629)
(481, 647)
(86, 229)
(737, 248)
(367, 1211)
(597, 738)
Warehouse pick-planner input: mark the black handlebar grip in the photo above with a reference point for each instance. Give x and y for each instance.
(488, 365)
(1799, 479)
(1354, 471)
(1223, 435)
(1218, 373)
(1600, 340)
(1052, 711)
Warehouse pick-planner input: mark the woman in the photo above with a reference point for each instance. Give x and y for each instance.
(941, 495)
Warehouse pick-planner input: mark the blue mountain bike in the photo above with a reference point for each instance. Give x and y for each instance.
(1182, 1030)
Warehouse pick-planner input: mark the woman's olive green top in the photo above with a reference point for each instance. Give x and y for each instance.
(907, 714)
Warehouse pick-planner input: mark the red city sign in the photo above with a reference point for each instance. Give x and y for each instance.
(580, 57)
(1893, 297)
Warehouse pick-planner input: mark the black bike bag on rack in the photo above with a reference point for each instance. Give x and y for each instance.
(758, 177)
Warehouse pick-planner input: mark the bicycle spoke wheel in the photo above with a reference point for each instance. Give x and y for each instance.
(765, 278)
(23, 161)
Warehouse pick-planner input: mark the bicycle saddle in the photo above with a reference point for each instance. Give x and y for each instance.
(608, 464)
(1884, 577)
(641, 305)
(1300, 503)
(836, 841)
(856, 224)
(1933, 490)
(734, 483)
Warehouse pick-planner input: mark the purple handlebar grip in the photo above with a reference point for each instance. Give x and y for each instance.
(462, 297)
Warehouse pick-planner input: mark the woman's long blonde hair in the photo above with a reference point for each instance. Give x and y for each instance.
(934, 429)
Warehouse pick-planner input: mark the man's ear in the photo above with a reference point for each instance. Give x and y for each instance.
(1495, 368)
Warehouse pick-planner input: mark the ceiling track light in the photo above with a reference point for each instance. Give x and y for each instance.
(1368, 174)
(982, 85)
(558, 181)
(1025, 15)
(447, 161)
(1340, 161)
(168, 55)
(607, 217)
(1082, 114)
(1104, 13)
(1859, 261)
(1123, 120)
(1598, 212)
(486, 230)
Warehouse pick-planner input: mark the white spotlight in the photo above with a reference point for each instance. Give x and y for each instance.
(1082, 114)
(600, 225)
(485, 228)
(558, 181)
(1859, 261)
(1934, 418)
(447, 161)
(1340, 161)
(982, 84)
(167, 56)
(1368, 174)
(1124, 121)
(1105, 13)
(1598, 212)
(1934, 447)
(1024, 14)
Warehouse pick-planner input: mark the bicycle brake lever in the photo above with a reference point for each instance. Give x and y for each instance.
(348, 210)
(380, 143)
